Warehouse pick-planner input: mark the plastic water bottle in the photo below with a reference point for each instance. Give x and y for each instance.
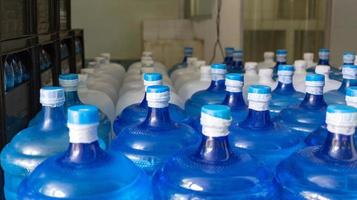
(152, 141)
(234, 100)
(250, 77)
(327, 171)
(237, 62)
(189, 75)
(190, 68)
(349, 79)
(318, 137)
(214, 94)
(188, 52)
(348, 59)
(189, 88)
(329, 83)
(299, 75)
(281, 58)
(10, 76)
(228, 59)
(213, 170)
(284, 94)
(262, 136)
(309, 115)
(268, 61)
(137, 112)
(18, 73)
(33, 145)
(309, 58)
(84, 170)
(25, 73)
(324, 57)
(266, 77)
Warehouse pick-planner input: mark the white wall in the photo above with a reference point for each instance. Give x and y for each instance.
(231, 28)
(115, 25)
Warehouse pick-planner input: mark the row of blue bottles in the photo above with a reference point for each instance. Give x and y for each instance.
(188, 52)
(152, 141)
(15, 72)
(214, 94)
(264, 137)
(45, 60)
(284, 94)
(33, 145)
(213, 170)
(237, 63)
(70, 84)
(136, 113)
(327, 171)
(309, 115)
(318, 136)
(281, 58)
(84, 170)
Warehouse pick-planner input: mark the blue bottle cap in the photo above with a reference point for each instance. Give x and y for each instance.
(152, 77)
(188, 49)
(286, 68)
(68, 77)
(348, 57)
(219, 66)
(229, 49)
(259, 89)
(83, 115)
(349, 66)
(341, 119)
(238, 53)
(235, 77)
(52, 96)
(324, 50)
(157, 89)
(315, 77)
(341, 109)
(281, 52)
(351, 91)
(218, 111)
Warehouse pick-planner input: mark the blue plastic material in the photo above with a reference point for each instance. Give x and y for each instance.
(309, 115)
(338, 96)
(228, 59)
(321, 172)
(284, 94)
(264, 137)
(85, 171)
(214, 94)
(324, 57)
(9, 76)
(18, 73)
(83, 114)
(188, 52)
(280, 53)
(213, 170)
(33, 145)
(155, 139)
(237, 63)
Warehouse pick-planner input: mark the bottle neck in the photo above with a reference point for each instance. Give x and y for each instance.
(83, 153)
(72, 98)
(158, 118)
(347, 83)
(144, 102)
(234, 100)
(237, 65)
(340, 147)
(285, 85)
(217, 85)
(324, 62)
(279, 63)
(314, 101)
(184, 60)
(53, 117)
(257, 120)
(214, 149)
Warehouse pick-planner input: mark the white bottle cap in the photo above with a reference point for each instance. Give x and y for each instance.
(308, 57)
(200, 63)
(249, 66)
(52, 96)
(158, 96)
(259, 97)
(99, 60)
(215, 120)
(300, 65)
(341, 119)
(92, 64)
(265, 72)
(322, 69)
(191, 61)
(268, 55)
(106, 57)
(147, 53)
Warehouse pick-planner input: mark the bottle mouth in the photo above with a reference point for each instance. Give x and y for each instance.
(158, 96)
(341, 119)
(52, 96)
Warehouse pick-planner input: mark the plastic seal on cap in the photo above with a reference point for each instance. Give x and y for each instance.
(322, 69)
(92, 64)
(158, 96)
(234, 82)
(83, 122)
(300, 65)
(152, 79)
(285, 73)
(218, 71)
(52, 96)
(341, 119)
(106, 57)
(314, 83)
(188, 50)
(351, 96)
(147, 53)
(248, 66)
(69, 82)
(268, 55)
(215, 120)
(324, 54)
(308, 56)
(99, 60)
(259, 97)
(349, 71)
(281, 55)
(349, 57)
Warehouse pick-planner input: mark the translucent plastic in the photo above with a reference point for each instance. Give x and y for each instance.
(180, 65)
(214, 94)
(9, 76)
(31, 146)
(338, 96)
(213, 171)
(265, 138)
(18, 73)
(153, 141)
(284, 95)
(136, 113)
(306, 117)
(321, 172)
(299, 81)
(189, 88)
(85, 171)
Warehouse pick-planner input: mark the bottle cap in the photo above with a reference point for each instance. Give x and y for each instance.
(248, 66)
(83, 122)
(92, 64)
(238, 53)
(200, 63)
(69, 82)
(308, 56)
(268, 55)
(52, 96)
(147, 62)
(215, 120)
(99, 60)
(234, 82)
(281, 52)
(266, 72)
(191, 61)
(259, 97)
(300, 65)
(285, 70)
(341, 119)
(315, 80)
(324, 54)
(147, 53)
(351, 96)
(349, 57)
(322, 69)
(158, 96)
(206, 69)
(106, 57)
(188, 50)
(152, 79)
(229, 51)
(349, 71)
